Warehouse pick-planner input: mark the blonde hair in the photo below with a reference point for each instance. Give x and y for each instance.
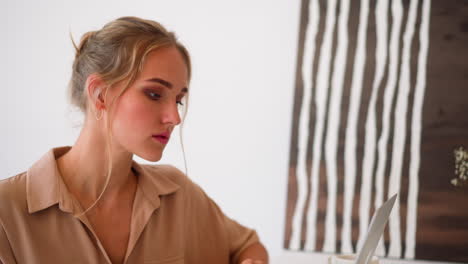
(116, 53)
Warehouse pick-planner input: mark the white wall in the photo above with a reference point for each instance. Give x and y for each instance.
(238, 127)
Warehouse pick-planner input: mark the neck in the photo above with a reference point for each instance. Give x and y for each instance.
(84, 169)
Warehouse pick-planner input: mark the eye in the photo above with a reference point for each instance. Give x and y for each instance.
(153, 95)
(179, 100)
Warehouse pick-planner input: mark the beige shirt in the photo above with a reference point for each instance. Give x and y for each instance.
(173, 220)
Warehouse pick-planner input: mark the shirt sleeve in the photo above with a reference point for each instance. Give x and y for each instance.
(240, 238)
(6, 254)
(237, 237)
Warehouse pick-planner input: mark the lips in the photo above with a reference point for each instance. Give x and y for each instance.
(163, 137)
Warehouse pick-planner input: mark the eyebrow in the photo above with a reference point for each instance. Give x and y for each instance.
(165, 83)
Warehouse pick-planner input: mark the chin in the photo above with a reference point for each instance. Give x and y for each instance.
(150, 155)
(154, 159)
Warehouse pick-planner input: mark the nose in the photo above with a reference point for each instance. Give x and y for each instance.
(171, 115)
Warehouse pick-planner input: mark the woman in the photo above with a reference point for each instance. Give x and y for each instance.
(91, 203)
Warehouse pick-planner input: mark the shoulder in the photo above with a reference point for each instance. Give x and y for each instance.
(13, 186)
(13, 194)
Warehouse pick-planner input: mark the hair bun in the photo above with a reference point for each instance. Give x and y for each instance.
(84, 39)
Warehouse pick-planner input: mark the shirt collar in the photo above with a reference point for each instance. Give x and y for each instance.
(45, 186)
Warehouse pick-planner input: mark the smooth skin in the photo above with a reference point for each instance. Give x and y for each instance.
(149, 106)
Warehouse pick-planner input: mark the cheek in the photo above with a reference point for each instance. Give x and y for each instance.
(133, 117)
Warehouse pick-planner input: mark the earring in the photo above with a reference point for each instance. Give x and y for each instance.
(98, 118)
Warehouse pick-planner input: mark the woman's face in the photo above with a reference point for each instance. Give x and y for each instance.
(147, 112)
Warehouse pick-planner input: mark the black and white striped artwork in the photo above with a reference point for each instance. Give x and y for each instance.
(381, 103)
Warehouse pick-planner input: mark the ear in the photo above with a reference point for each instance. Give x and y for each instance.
(96, 88)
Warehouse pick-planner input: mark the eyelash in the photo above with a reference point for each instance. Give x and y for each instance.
(179, 102)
